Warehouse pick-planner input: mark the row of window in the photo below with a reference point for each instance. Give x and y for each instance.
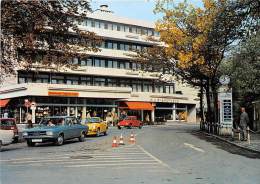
(136, 85)
(118, 27)
(122, 46)
(107, 63)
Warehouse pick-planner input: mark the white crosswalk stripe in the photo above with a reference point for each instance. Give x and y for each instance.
(128, 156)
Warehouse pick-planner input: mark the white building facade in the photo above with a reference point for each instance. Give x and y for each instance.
(107, 82)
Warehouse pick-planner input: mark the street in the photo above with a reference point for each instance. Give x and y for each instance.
(162, 154)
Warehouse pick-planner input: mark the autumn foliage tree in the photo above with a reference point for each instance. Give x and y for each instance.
(197, 38)
(49, 28)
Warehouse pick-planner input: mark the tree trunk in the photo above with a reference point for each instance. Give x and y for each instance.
(202, 121)
(209, 109)
(215, 106)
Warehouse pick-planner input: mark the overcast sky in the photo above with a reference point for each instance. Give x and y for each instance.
(136, 9)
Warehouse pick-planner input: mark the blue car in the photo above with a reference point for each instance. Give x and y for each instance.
(56, 129)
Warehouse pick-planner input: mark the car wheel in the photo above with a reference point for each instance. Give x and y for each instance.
(30, 143)
(98, 133)
(60, 140)
(15, 140)
(82, 137)
(119, 127)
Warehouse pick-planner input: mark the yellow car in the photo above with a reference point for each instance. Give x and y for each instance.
(95, 126)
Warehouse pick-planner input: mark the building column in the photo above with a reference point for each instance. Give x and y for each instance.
(68, 111)
(174, 112)
(142, 115)
(76, 111)
(152, 116)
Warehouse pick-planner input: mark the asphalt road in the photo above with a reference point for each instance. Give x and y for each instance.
(163, 154)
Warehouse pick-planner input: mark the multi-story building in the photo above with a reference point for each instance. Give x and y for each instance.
(107, 81)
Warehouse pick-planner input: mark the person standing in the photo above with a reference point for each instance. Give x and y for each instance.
(244, 121)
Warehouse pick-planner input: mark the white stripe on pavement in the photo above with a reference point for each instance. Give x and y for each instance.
(194, 147)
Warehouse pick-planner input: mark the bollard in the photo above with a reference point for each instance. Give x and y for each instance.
(238, 133)
(248, 135)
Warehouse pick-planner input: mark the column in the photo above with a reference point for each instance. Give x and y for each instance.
(76, 111)
(152, 116)
(68, 111)
(84, 112)
(174, 112)
(142, 115)
(33, 114)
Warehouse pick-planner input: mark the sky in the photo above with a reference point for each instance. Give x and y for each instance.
(136, 9)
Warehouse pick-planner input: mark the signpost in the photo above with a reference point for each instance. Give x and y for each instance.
(225, 107)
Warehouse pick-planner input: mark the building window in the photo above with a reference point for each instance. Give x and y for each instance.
(92, 23)
(99, 81)
(127, 65)
(128, 29)
(115, 46)
(57, 79)
(105, 25)
(110, 64)
(86, 81)
(110, 27)
(109, 45)
(118, 28)
(103, 63)
(42, 78)
(97, 24)
(72, 80)
(115, 64)
(101, 25)
(112, 82)
(122, 65)
(122, 46)
(96, 62)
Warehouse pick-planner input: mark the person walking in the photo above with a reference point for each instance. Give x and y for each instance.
(244, 121)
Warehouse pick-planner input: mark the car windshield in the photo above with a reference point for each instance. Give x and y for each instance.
(92, 120)
(52, 121)
(7, 122)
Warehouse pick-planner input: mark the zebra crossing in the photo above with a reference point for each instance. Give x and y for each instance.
(128, 156)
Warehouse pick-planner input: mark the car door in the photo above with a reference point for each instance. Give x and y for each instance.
(77, 127)
(68, 129)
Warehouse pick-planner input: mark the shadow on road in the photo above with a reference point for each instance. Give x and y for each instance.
(226, 146)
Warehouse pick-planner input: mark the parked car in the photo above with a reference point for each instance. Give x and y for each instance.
(55, 129)
(9, 124)
(130, 121)
(96, 126)
(6, 137)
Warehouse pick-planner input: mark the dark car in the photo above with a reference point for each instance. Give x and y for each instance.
(9, 124)
(56, 129)
(130, 121)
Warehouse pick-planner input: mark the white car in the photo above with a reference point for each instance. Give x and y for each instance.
(6, 137)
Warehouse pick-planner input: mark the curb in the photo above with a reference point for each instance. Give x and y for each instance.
(222, 139)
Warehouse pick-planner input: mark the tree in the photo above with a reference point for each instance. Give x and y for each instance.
(197, 39)
(48, 28)
(243, 66)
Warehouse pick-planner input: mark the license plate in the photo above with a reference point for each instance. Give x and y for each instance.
(36, 140)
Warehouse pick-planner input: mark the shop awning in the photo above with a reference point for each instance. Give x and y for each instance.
(4, 102)
(138, 106)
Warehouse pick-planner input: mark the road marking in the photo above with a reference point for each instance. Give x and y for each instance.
(194, 147)
(155, 158)
(115, 164)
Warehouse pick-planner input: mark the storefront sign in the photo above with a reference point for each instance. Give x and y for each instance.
(63, 93)
(164, 100)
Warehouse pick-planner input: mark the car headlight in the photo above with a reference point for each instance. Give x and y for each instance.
(49, 133)
(25, 133)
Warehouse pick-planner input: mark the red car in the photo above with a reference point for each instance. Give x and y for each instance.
(9, 124)
(130, 121)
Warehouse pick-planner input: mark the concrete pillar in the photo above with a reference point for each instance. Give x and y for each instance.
(152, 116)
(76, 111)
(68, 111)
(174, 112)
(142, 115)
(84, 112)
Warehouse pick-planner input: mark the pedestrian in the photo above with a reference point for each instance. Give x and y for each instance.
(6, 114)
(29, 120)
(243, 123)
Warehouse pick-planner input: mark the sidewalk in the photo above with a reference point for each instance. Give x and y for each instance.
(253, 146)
